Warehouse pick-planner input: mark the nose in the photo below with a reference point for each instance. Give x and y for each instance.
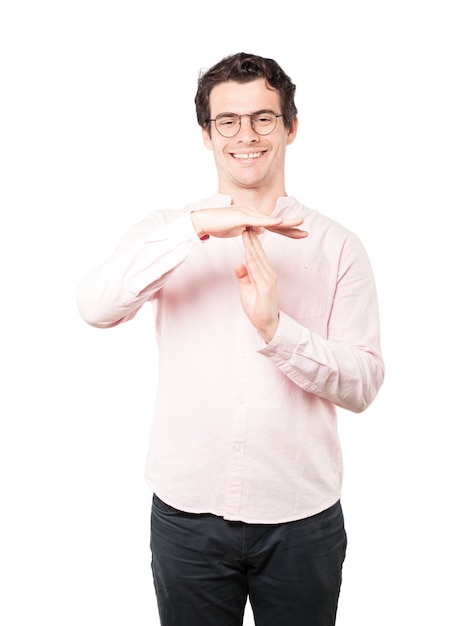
(247, 132)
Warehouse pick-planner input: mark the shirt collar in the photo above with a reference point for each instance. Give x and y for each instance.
(283, 205)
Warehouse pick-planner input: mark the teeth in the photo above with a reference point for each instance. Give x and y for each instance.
(253, 155)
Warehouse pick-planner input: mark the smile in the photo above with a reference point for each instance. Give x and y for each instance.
(245, 155)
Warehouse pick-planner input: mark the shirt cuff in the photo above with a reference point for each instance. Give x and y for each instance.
(287, 331)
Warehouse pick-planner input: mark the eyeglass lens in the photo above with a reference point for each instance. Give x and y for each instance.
(229, 124)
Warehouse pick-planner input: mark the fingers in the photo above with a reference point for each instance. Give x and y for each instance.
(256, 258)
(288, 229)
(232, 221)
(293, 233)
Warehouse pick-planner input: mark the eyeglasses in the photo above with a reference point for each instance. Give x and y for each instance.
(229, 124)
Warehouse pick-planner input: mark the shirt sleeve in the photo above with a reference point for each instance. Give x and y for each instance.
(114, 291)
(346, 367)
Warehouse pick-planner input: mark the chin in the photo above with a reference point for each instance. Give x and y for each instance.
(249, 183)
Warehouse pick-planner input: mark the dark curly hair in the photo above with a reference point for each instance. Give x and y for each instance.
(243, 68)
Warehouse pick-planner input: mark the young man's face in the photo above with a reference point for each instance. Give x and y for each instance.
(248, 160)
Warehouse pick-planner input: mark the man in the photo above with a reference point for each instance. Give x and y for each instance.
(263, 328)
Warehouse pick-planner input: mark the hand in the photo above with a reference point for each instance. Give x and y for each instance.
(258, 287)
(232, 221)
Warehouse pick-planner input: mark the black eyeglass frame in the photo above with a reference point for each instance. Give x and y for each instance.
(252, 116)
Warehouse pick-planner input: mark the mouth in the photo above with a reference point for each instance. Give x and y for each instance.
(246, 156)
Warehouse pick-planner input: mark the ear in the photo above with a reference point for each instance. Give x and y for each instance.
(207, 139)
(292, 132)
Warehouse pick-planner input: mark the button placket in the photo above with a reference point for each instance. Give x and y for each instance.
(239, 429)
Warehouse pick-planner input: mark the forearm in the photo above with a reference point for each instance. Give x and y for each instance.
(347, 375)
(114, 291)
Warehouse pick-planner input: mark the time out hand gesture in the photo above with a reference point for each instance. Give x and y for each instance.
(233, 220)
(258, 287)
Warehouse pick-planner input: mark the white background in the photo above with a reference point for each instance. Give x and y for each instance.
(97, 129)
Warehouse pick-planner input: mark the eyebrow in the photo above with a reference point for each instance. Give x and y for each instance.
(255, 113)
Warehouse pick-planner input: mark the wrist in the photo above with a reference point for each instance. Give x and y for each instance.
(198, 227)
(268, 333)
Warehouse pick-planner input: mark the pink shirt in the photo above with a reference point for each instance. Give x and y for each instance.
(243, 429)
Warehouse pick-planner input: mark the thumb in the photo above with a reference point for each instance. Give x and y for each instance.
(242, 274)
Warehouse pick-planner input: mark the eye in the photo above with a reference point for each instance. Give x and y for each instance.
(228, 121)
(263, 119)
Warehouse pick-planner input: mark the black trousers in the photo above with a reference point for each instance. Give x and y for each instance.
(205, 568)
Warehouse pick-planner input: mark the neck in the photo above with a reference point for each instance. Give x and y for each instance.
(262, 200)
